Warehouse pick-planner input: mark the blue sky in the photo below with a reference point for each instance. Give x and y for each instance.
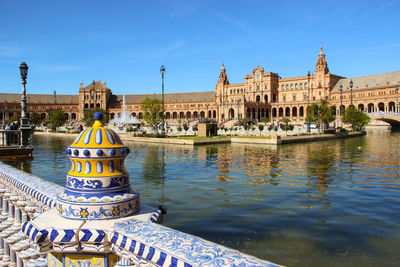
(125, 42)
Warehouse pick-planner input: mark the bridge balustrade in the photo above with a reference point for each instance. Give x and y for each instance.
(133, 241)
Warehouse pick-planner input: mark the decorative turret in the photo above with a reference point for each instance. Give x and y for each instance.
(322, 64)
(97, 184)
(223, 78)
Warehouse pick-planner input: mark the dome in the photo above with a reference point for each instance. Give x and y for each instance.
(97, 185)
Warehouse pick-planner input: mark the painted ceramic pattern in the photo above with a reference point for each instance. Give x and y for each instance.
(54, 259)
(184, 247)
(74, 171)
(85, 261)
(97, 184)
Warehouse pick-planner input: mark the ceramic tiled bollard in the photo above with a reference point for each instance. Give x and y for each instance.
(97, 195)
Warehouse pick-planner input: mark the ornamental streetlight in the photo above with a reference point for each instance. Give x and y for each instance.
(397, 98)
(341, 99)
(25, 127)
(319, 123)
(308, 106)
(162, 70)
(351, 92)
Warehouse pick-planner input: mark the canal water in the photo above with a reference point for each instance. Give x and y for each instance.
(328, 203)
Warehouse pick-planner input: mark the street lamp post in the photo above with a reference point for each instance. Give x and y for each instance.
(25, 125)
(319, 123)
(162, 70)
(397, 98)
(341, 99)
(308, 106)
(351, 92)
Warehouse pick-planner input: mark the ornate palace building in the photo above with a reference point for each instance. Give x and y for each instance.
(262, 94)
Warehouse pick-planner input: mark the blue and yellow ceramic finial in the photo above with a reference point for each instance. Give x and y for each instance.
(98, 184)
(98, 116)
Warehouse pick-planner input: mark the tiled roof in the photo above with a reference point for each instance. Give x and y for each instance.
(370, 81)
(37, 99)
(169, 98)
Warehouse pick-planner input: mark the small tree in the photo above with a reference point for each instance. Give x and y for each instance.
(261, 127)
(356, 118)
(15, 117)
(270, 128)
(88, 116)
(57, 118)
(36, 118)
(264, 120)
(326, 113)
(152, 109)
(286, 124)
(185, 127)
(179, 130)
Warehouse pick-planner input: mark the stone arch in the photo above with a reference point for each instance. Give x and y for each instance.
(97, 105)
(267, 113)
(294, 111)
(381, 106)
(140, 115)
(392, 106)
(274, 113)
(360, 107)
(266, 99)
(181, 115)
(195, 114)
(301, 111)
(258, 98)
(168, 115)
(231, 113)
(371, 108)
(86, 106)
(287, 112)
(214, 114)
(188, 114)
(209, 114)
(280, 112)
(202, 114)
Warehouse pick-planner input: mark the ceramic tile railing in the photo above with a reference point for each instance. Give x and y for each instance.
(136, 242)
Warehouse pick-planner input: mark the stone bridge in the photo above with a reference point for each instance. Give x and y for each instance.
(393, 118)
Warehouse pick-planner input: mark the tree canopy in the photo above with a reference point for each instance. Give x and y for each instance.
(36, 118)
(57, 118)
(88, 116)
(356, 118)
(152, 108)
(326, 112)
(15, 117)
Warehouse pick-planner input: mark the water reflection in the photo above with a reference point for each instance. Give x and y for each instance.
(326, 203)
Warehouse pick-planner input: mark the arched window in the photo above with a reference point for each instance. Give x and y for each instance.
(296, 86)
(301, 85)
(287, 86)
(291, 86)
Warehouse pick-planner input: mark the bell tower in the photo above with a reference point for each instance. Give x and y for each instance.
(322, 64)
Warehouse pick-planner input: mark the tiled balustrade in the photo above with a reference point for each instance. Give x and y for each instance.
(133, 241)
